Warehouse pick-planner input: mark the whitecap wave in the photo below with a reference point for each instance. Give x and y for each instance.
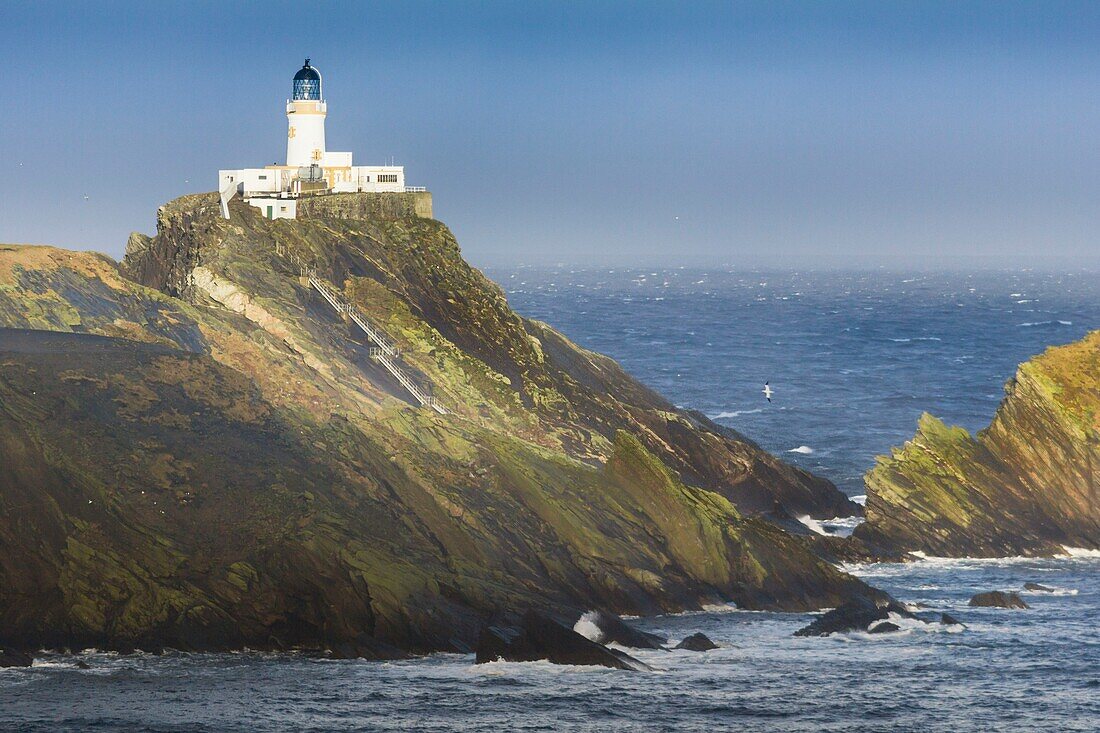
(734, 413)
(1081, 552)
(835, 527)
(586, 627)
(730, 607)
(860, 499)
(1045, 323)
(500, 667)
(804, 449)
(1054, 591)
(906, 627)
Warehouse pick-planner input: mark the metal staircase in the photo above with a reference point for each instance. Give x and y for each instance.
(384, 351)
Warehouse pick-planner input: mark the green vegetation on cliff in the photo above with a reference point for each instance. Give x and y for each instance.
(1026, 485)
(203, 454)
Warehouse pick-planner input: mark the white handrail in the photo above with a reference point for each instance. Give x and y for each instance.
(375, 336)
(385, 347)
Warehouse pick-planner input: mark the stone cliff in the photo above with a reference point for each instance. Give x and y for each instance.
(1029, 484)
(200, 453)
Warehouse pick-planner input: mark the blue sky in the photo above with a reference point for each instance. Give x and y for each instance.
(590, 133)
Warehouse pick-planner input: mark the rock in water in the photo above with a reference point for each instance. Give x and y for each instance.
(1036, 588)
(13, 658)
(697, 643)
(856, 615)
(998, 599)
(536, 637)
(611, 629)
(886, 627)
(948, 620)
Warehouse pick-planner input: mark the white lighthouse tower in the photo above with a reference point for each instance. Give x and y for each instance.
(305, 114)
(311, 169)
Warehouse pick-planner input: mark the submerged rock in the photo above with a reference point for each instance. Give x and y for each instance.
(886, 627)
(536, 637)
(948, 620)
(998, 599)
(1036, 588)
(607, 628)
(697, 643)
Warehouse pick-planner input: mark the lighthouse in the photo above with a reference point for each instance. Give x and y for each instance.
(305, 113)
(311, 169)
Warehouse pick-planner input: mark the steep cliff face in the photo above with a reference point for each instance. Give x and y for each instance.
(230, 467)
(1029, 484)
(456, 328)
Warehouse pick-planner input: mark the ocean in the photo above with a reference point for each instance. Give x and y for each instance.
(853, 359)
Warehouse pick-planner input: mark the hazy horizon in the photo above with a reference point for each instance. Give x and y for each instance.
(784, 135)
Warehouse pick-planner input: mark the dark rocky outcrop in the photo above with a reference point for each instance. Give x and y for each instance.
(13, 658)
(1029, 484)
(1037, 588)
(886, 627)
(948, 620)
(856, 615)
(697, 642)
(613, 630)
(366, 647)
(998, 599)
(536, 637)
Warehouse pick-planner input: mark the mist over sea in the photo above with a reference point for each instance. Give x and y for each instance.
(854, 358)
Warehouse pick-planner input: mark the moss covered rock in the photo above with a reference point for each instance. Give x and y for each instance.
(1029, 484)
(203, 454)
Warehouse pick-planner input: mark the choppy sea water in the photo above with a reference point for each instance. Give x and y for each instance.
(854, 358)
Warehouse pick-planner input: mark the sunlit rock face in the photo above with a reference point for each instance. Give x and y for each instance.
(203, 453)
(1029, 484)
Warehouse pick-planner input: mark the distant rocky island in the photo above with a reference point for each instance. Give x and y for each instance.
(204, 450)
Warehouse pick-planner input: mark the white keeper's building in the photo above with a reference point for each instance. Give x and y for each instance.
(310, 169)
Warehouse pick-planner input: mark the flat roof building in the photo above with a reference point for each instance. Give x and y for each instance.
(310, 170)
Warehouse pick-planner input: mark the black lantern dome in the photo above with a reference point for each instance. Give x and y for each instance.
(307, 83)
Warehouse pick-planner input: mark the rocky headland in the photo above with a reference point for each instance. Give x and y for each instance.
(1029, 484)
(200, 453)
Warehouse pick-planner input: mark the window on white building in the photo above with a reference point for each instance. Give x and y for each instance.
(387, 178)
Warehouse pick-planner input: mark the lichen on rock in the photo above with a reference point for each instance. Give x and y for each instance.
(1029, 484)
(205, 454)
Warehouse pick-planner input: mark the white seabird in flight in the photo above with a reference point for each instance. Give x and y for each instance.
(767, 391)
